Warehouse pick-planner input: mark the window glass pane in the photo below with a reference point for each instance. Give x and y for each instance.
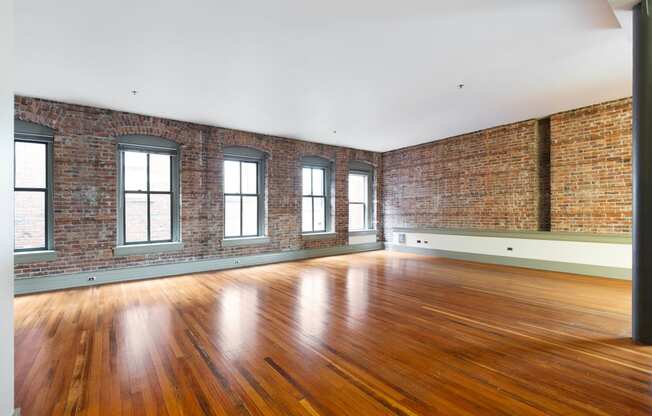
(249, 177)
(231, 177)
(318, 182)
(249, 215)
(29, 220)
(159, 172)
(306, 214)
(161, 217)
(356, 216)
(307, 190)
(320, 214)
(30, 165)
(357, 188)
(135, 218)
(231, 216)
(135, 171)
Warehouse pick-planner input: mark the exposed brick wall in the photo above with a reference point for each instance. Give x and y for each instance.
(487, 179)
(571, 172)
(85, 219)
(591, 170)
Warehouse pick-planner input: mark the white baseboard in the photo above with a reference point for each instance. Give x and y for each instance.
(622, 273)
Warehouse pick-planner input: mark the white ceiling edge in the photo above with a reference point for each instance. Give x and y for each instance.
(623, 4)
(620, 9)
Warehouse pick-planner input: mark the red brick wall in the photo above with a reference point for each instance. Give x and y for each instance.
(487, 179)
(591, 170)
(511, 177)
(85, 219)
(571, 172)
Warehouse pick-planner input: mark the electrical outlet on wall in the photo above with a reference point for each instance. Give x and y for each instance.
(91, 278)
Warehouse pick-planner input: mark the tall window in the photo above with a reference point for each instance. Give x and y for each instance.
(358, 201)
(148, 190)
(315, 202)
(360, 197)
(32, 187)
(243, 193)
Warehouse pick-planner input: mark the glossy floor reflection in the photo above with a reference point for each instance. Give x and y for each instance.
(378, 333)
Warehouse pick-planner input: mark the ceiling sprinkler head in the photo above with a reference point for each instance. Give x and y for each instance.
(460, 86)
(134, 92)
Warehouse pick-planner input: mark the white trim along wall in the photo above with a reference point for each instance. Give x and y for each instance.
(608, 256)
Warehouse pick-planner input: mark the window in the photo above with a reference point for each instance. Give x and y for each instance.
(360, 197)
(32, 187)
(243, 193)
(149, 190)
(315, 215)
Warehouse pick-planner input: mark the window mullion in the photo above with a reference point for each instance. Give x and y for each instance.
(241, 222)
(45, 197)
(312, 197)
(241, 199)
(123, 197)
(14, 168)
(172, 208)
(313, 213)
(149, 208)
(48, 194)
(325, 198)
(19, 189)
(258, 202)
(171, 217)
(368, 201)
(312, 210)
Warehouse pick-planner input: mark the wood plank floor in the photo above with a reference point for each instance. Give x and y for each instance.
(379, 333)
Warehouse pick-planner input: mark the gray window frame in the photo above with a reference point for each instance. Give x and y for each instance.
(316, 162)
(362, 168)
(35, 133)
(150, 145)
(247, 155)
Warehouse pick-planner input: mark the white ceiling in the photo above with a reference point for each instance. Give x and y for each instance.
(382, 73)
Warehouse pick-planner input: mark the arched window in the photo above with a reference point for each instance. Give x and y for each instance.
(33, 217)
(244, 192)
(149, 191)
(361, 210)
(316, 195)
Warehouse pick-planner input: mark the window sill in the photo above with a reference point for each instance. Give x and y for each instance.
(363, 232)
(245, 241)
(24, 257)
(319, 236)
(139, 249)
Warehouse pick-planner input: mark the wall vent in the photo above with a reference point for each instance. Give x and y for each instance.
(401, 238)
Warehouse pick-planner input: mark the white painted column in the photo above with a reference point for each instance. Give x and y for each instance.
(6, 209)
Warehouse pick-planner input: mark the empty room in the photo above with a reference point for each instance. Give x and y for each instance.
(412, 208)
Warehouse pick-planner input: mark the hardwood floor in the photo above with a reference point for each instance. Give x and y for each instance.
(380, 333)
